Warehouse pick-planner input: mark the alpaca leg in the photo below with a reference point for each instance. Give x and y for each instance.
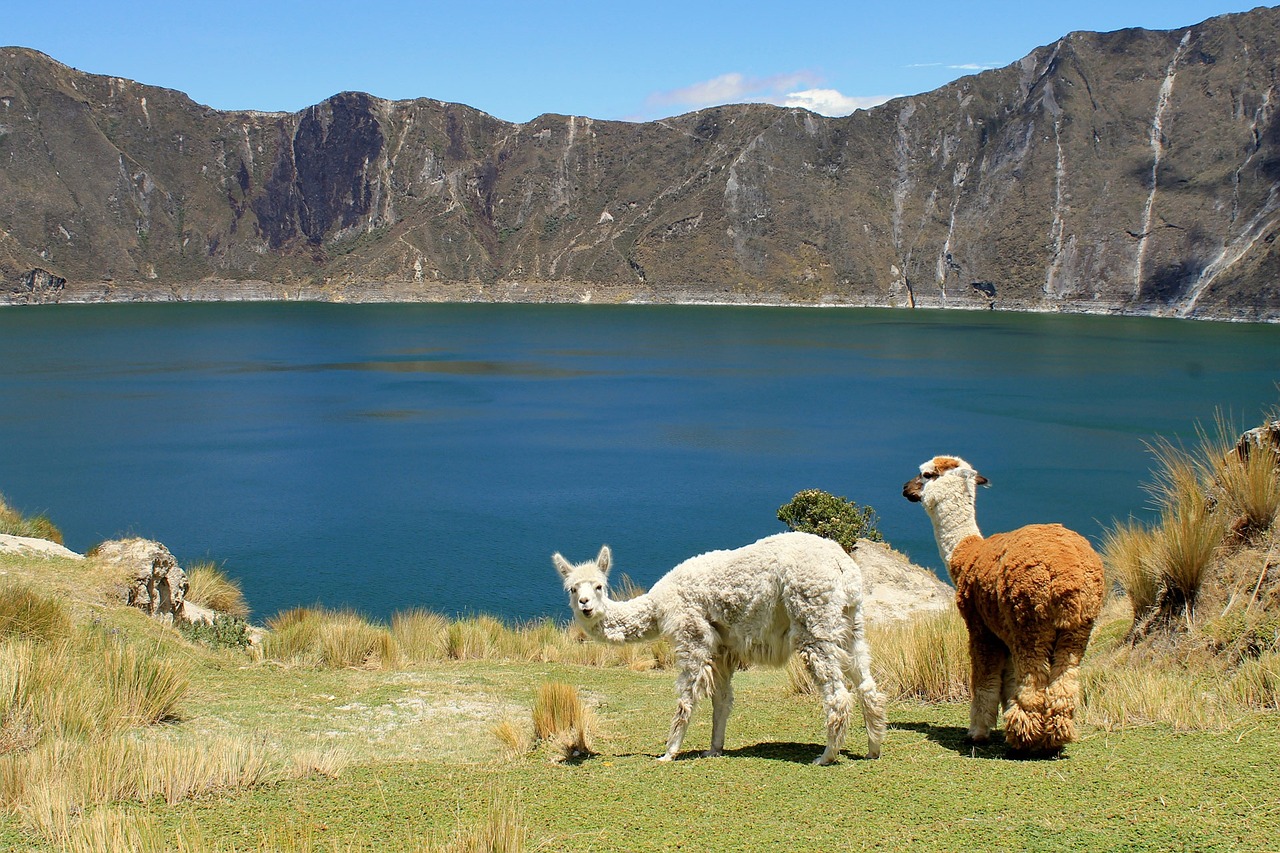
(695, 681)
(685, 703)
(987, 658)
(1025, 715)
(858, 673)
(826, 665)
(1064, 687)
(721, 702)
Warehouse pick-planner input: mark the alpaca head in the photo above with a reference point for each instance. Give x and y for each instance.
(943, 478)
(923, 486)
(587, 584)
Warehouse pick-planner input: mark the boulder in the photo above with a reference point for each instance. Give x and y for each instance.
(894, 588)
(153, 580)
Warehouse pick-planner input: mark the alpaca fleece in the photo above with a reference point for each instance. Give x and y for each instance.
(726, 609)
(1029, 599)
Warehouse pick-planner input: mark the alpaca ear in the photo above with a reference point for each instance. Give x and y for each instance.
(562, 565)
(604, 559)
(982, 481)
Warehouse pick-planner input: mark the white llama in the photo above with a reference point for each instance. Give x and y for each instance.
(1029, 598)
(726, 609)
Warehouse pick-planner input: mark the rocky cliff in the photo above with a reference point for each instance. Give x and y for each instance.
(1132, 171)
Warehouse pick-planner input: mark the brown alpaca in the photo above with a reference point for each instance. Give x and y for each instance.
(1029, 599)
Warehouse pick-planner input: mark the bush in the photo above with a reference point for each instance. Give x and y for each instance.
(225, 632)
(836, 518)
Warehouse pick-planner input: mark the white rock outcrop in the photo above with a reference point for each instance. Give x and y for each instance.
(154, 581)
(894, 588)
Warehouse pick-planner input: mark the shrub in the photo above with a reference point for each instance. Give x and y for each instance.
(837, 518)
(225, 632)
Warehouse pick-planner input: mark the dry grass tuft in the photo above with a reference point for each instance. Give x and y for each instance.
(209, 586)
(923, 658)
(15, 523)
(329, 639)
(26, 614)
(513, 737)
(422, 636)
(561, 720)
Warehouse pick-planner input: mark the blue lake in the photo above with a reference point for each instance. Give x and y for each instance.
(383, 457)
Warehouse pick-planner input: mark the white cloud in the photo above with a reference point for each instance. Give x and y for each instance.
(829, 102)
(781, 89)
(971, 66)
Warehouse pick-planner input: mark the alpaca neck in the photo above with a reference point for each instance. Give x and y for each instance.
(954, 521)
(629, 621)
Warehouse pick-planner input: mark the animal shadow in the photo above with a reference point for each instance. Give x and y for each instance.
(955, 738)
(787, 751)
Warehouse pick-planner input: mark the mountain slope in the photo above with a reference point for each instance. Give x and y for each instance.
(1132, 171)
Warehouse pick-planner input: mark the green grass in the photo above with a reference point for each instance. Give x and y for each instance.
(288, 754)
(1143, 788)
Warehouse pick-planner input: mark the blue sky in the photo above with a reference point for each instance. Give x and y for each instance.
(606, 59)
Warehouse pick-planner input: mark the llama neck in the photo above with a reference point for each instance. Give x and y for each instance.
(629, 621)
(953, 520)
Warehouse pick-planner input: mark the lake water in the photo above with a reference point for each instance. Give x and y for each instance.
(383, 457)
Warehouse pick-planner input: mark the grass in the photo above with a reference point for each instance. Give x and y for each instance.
(209, 586)
(15, 523)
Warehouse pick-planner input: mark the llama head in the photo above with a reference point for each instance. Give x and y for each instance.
(587, 584)
(942, 476)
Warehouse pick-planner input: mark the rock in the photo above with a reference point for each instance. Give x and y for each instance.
(29, 546)
(154, 581)
(896, 589)
(1267, 435)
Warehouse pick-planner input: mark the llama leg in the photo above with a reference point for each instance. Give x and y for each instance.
(1064, 687)
(1025, 714)
(825, 663)
(721, 702)
(694, 682)
(987, 657)
(686, 700)
(858, 673)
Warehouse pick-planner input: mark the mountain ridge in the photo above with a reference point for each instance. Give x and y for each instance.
(1128, 172)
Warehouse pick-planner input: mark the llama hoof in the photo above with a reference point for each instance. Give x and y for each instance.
(666, 757)
(977, 739)
(824, 759)
(712, 753)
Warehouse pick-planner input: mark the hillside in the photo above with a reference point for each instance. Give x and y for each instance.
(1132, 171)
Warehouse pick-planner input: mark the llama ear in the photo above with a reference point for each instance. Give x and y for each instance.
(604, 559)
(562, 565)
(982, 481)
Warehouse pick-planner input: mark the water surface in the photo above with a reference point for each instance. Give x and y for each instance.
(388, 456)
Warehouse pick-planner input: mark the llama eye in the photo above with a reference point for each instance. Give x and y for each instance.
(928, 475)
(599, 587)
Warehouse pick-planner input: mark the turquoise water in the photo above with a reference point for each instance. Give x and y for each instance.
(387, 456)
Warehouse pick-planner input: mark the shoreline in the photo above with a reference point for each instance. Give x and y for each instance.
(539, 293)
